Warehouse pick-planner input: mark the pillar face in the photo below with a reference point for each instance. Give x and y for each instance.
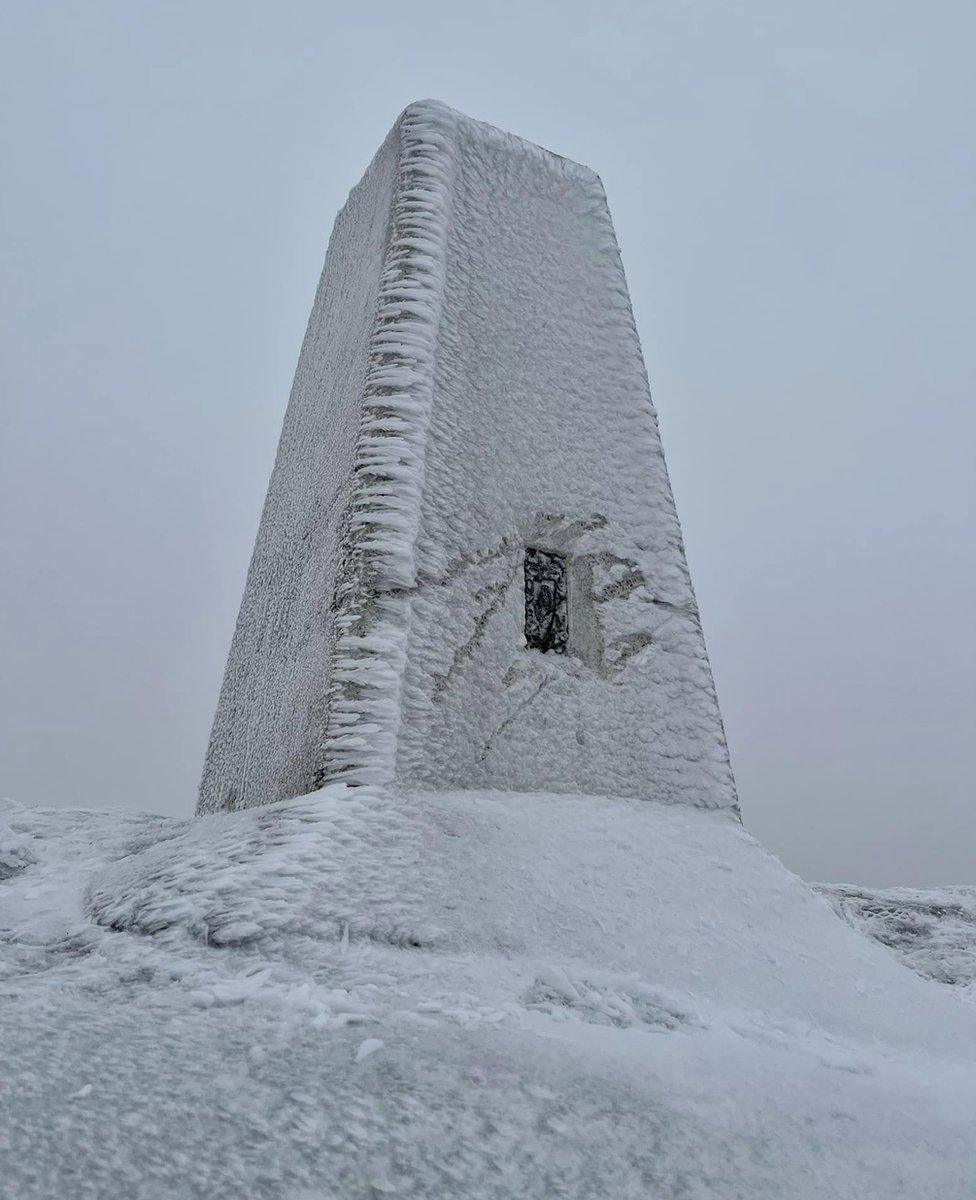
(506, 602)
(270, 718)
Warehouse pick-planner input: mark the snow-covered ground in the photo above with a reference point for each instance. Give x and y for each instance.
(932, 930)
(469, 994)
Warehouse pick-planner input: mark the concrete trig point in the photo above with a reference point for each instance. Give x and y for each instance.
(469, 572)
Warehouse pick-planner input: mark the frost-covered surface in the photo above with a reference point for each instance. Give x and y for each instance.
(932, 930)
(377, 557)
(15, 851)
(543, 434)
(358, 994)
(471, 384)
(270, 721)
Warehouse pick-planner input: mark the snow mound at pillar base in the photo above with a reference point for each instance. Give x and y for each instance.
(478, 994)
(332, 865)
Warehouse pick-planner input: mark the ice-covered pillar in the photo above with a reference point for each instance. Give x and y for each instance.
(469, 572)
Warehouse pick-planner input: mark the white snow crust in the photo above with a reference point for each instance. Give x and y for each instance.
(360, 993)
(471, 384)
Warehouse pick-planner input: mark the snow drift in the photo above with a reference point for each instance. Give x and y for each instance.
(361, 993)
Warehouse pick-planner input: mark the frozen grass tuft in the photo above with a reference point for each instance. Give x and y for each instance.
(932, 930)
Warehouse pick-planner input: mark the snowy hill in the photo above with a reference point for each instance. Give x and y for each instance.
(467, 994)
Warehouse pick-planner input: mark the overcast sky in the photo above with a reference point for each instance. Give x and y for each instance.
(792, 186)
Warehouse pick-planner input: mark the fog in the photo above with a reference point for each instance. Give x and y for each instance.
(792, 187)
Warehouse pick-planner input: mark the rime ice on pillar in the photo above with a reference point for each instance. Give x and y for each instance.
(469, 570)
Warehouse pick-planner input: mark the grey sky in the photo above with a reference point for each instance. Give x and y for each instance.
(792, 186)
